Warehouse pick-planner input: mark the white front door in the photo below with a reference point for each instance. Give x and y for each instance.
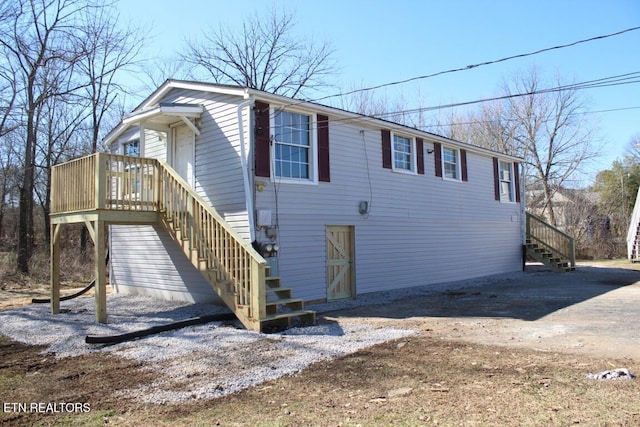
(183, 153)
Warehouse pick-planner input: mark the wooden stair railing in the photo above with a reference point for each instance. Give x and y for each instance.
(229, 263)
(549, 245)
(112, 188)
(633, 234)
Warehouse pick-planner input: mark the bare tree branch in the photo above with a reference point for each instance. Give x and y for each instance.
(265, 56)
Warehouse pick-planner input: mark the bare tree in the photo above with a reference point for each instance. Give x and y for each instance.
(544, 124)
(633, 148)
(109, 49)
(38, 39)
(266, 55)
(158, 70)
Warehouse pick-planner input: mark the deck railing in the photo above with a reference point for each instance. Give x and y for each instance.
(550, 237)
(105, 181)
(112, 182)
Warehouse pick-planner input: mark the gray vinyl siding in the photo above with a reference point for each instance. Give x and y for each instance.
(145, 260)
(155, 145)
(421, 229)
(218, 170)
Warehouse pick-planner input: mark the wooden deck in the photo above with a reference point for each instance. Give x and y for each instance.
(104, 189)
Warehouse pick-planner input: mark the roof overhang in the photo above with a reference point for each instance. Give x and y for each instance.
(164, 114)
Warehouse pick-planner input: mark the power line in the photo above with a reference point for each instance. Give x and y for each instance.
(469, 67)
(604, 82)
(440, 125)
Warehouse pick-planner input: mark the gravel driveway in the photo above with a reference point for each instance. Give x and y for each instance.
(594, 310)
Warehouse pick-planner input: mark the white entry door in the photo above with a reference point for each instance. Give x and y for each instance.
(183, 153)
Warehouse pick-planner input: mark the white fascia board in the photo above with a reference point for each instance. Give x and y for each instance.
(182, 110)
(195, 86)
(114, 134)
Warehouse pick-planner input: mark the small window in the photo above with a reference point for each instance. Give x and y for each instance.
(132, 148)
(292, 145)
(506, 182)
(451, 163)
(402, 153)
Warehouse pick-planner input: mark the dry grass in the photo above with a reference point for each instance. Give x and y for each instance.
(419, 382)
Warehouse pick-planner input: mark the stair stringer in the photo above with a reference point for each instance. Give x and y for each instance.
(548, 258)
(224, 288)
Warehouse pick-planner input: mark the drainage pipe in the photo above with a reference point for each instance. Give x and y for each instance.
(115, 339)
(72, 296)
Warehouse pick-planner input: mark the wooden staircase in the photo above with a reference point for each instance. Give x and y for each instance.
(237, 273)
(633, 246)
(633, 234)
(549, 245)
(105, 188)
(548, 258)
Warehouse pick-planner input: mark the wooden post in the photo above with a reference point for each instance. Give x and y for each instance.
(55, 268)
(101, 272)
(258, 293)
(99, 181)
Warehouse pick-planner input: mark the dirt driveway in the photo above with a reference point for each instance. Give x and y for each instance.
(593, 311)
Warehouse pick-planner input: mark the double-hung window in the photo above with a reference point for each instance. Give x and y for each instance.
(293, 145)
(132, 148)
(506, 182)
(403, 153)
(451, 163)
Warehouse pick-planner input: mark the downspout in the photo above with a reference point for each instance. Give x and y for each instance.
(248, 195)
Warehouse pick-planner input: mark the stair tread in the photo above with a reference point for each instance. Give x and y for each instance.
(289, 314)
(285, 301)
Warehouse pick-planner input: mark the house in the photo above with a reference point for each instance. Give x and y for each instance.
(330, 204)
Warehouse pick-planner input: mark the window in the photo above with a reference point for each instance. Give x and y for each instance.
(506, 182)
(293, 145)
(402, 153)
(132, 148)
(450, 162)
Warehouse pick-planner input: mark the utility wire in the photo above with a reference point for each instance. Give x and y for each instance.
(622, 79)
(468, 67)
(472, 122)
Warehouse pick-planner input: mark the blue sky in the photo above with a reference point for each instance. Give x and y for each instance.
(378, 42)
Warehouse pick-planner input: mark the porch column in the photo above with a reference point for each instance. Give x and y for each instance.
(55, 268)
(101, 272)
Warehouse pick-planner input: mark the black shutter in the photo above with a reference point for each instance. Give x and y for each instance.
(420, 155)
(516, 181)
(496, 179)
(437, 158)
(324, 169)
(262, 140)
(463, 165)
(386, 148)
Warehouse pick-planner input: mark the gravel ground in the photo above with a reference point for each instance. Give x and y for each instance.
(213, 359)
(537, 309)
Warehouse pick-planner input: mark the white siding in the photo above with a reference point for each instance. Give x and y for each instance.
(145, 260)
(421, 229)
(218, 169)
(155, 144)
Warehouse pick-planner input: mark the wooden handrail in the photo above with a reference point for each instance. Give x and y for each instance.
(554, 239)
(225, 251)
